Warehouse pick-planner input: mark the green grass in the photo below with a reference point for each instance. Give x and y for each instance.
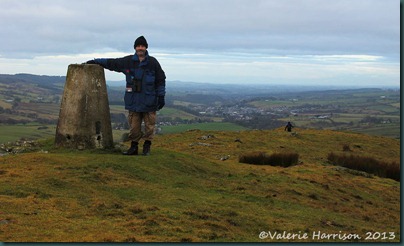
(184, 193)
(175, 113)
(213, 126)
(118, 109)
(11, 133)
(388, 130)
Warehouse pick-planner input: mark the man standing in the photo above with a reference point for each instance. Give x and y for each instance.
(289, 126)
(145, 91)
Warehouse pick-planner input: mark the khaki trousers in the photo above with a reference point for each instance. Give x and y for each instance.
(135, 123)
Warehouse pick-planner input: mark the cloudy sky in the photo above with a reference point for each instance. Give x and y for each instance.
(304, 42)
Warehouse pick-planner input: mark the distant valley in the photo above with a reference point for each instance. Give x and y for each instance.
(33, 101)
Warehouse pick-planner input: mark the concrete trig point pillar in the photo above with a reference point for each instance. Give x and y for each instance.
(84, 118)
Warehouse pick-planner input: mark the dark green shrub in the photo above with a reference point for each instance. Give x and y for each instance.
(366, 164)
(275, 159)
(257, 158)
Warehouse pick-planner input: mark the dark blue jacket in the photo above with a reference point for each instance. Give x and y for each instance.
(145, 81)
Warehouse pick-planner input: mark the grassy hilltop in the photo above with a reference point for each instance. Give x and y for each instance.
(184, 192)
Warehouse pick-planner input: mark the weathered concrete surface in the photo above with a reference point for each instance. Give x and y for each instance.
(84, 118)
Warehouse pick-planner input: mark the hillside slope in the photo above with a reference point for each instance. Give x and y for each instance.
(183, 192)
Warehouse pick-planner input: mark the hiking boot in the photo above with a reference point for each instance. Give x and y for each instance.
(133, 150)
(146, 147)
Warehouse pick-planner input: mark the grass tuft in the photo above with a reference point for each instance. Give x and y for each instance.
(366, 164)
(275, 159)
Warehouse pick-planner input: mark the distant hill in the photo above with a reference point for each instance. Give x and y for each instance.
(184, 192)
(25, 98)
(40, 79)
(49, 82)
(174, 87)
(230, 90)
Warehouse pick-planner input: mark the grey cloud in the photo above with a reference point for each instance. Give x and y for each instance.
(31, 27)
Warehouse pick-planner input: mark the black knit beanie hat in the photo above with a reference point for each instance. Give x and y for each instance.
(140, 41)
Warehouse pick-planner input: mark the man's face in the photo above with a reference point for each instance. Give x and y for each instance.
(140, 50)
